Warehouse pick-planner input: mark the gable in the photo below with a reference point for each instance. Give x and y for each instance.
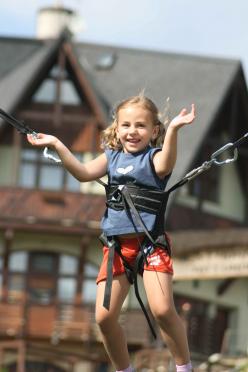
(57, 99)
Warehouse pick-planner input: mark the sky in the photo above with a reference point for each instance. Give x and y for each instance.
(214, 28)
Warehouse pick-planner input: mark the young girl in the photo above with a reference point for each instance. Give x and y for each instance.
(131, 157)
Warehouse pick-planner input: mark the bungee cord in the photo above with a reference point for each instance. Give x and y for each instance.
(25, 129)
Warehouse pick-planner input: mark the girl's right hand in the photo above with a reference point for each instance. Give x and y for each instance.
(42, 140)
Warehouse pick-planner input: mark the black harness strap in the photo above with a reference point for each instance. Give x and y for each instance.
(19, 125)
(114, 246)
(127, 198)
(108, 287)
(139, 263)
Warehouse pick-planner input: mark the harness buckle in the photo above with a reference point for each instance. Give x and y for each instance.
(148, 249)
(220, 151)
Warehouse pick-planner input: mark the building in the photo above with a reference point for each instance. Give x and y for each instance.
(49, 223)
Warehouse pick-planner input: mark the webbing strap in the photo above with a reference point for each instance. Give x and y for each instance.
(139, 262)
(19, 125)
(136, 214)
(113, 246)
(109, 280)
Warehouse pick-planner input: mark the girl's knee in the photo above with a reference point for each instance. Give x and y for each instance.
(164, 314)
(104, 320)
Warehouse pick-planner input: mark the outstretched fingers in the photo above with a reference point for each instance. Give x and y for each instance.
(188, 117)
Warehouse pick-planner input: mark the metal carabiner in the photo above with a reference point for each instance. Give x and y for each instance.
(50, 156)
(220, 151)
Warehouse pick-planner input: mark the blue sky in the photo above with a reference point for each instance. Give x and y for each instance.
(213, 28)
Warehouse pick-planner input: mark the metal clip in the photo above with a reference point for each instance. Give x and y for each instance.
(49, 156)
(195, 172)
(220, 151)
(34, 135)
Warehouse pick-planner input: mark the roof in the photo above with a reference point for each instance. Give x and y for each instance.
(185, 79)
(20, 61)
(51, 210)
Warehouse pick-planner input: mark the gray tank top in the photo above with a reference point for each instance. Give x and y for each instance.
(136, 168)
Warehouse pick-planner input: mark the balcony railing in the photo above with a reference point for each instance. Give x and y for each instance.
(64, 323)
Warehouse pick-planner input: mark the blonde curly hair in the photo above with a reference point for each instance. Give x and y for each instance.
(109, 135)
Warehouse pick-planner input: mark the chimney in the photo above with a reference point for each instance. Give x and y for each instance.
(52, 20)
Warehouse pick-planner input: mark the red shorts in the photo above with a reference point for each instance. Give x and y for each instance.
(159, 260)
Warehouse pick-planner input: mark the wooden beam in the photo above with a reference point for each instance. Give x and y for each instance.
(57, 105)
(84, 84)
(42, 116)
(85, 242)
(21, 357)
(224, 285)
(77, 229)
(21, 352)
(16, 158)
(8, 239)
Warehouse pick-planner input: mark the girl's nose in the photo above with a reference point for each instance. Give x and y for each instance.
(132, 129)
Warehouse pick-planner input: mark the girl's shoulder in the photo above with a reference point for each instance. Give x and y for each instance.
(111, 152)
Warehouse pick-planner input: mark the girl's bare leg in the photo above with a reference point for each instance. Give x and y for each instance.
(112, 334)
(158, 288)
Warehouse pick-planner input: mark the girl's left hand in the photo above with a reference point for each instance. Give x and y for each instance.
(183, 118)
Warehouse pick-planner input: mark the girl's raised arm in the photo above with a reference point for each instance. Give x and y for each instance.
(164, 161)
(83, 172)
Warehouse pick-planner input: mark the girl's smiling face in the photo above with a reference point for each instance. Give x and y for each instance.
(135, 128)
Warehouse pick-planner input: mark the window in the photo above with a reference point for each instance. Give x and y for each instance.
(68, 265)
(47, 276)
(16, 283)
(67, 282)
(18, 262)
(67, 289)
(69, 94)
(206, 186)
(17, 268)
(46, 92)
(38, 172)
(41, 282)
(89, 283)
(44, 263)
(57, 87)
(27, 176)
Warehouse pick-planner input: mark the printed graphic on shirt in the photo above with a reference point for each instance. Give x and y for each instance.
(126, 170)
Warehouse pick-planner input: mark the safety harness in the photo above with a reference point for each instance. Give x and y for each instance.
(133, 199)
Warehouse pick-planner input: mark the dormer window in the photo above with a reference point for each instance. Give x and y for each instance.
(206, 186)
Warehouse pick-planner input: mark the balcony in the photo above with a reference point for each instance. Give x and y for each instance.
(64, 323)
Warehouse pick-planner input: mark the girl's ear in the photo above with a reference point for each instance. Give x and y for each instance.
(155, 132)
